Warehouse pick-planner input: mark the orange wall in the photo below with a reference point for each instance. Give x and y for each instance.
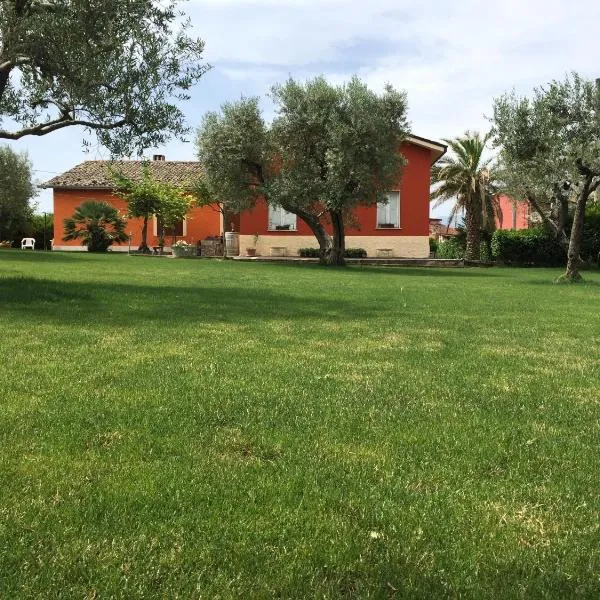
(200, 223)
(506, 206)
(414, 204)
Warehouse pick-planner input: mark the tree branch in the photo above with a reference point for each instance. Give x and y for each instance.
(559, 233)
(44, 128)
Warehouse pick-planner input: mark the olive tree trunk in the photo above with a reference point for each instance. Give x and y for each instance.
(336, 256)
(323, 238)
(572, 274)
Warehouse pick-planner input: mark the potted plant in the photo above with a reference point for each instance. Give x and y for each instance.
(182, 248)
(252, 250)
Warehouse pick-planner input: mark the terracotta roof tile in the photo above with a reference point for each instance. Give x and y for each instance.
(93, 174)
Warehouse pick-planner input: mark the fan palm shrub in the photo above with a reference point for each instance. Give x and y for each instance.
(466, 178)
(97, 224)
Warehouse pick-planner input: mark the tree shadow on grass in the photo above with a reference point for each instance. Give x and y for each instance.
(353, 269)
(127, 304)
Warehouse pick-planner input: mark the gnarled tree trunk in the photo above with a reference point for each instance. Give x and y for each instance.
(572, 275)
(336, 256)
(319, 232)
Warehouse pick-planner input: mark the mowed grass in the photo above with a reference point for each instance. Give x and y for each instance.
(207, 429)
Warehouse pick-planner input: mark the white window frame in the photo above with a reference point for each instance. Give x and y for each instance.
(387, 210)
(272, 225)
(155, 227)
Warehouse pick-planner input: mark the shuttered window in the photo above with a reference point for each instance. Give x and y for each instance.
(388, 213)
(281, 220)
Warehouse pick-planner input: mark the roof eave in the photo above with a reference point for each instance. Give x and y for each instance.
(436, 148)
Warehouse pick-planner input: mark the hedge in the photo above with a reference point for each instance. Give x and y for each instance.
(536, 247)
(349, 253)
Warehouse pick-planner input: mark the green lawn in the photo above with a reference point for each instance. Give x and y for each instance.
(197, 429)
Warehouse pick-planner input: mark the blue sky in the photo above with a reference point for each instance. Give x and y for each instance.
(452, 59)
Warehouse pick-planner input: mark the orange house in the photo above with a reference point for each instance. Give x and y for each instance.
(398, 228)
(90, 180)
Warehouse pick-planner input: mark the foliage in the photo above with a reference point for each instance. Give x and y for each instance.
(229, 145)
(329, 149)
(348, 253)
(97, 224)
(433, 245)
(16, 192)
(590, 247)
(452, 248)
(536, 246)
(148, 197)
(468, 180)
(181, 244)
(155, 418)
(39, 227)
(541, 138)
(118, 68)
(550, 154)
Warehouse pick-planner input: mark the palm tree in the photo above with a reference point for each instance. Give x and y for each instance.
(97, 225)
(467, 179)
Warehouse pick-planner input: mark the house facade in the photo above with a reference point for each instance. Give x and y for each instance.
(398, 227)
(91, 180)
(514, 214)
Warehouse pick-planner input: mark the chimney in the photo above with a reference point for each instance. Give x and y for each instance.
(158, 157)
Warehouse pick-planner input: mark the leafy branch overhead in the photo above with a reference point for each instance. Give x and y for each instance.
(116, 67)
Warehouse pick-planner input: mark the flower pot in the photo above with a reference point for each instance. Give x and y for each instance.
(251, 251)
(179, 252)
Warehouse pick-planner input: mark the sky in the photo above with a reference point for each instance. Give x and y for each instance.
(452, 59)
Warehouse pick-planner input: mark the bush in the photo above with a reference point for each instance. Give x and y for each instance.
(536, 247)
(433, 245)
(452, 248)
(590, 248)
(349, 253)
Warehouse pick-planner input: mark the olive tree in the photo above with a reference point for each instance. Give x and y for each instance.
(550, 155)
(328, 150)
(116, 67)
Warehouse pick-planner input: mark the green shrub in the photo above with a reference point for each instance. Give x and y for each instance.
(590, 248)
(433, 245)
(452, 248)
(536, 247)
(349, 253)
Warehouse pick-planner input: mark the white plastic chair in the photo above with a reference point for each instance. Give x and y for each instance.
(28, 243)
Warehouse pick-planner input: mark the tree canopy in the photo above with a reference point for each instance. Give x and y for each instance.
(117, 67)
(148, 197)
(550, 154)
(16, 192)
(328, 150)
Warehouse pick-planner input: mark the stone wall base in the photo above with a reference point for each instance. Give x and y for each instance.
(401, 246)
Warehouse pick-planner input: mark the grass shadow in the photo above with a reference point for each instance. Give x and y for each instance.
(127, 304)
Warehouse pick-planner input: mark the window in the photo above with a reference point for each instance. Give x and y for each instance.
(281, 220)
(178, 231)
(388, 213)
